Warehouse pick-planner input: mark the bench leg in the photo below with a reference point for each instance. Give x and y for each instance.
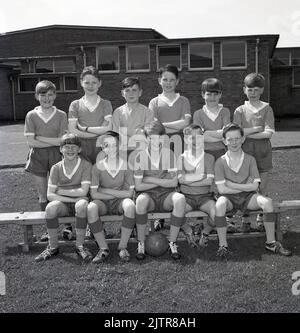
(28, 238)
(278, 232)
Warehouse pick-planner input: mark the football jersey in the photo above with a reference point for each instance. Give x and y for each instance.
(209, 122)
(79, 110)
(245, 171)
(247, 116)
(53, 127)
(131, 119)
(144, 164)
(120, 179)
(204, 167)
(167, 112)
(81, 174)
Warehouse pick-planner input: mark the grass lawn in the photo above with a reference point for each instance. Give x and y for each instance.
(251, 281)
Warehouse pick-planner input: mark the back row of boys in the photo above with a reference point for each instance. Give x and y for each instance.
(238, 172)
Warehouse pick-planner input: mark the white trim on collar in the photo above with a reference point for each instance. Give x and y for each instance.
(237, 169)
(211, 115)
(89, 106)
(74, 170)
(253, 109)
(106, 168)
(167, 101)
(40, 114)
(194, 162)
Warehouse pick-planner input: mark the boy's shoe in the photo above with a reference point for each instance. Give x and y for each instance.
(124, 255)
(223, 252)
(277, 248)
(158, 224)
(67, 233)
(140, 251)
(174, 251)
(45, 237)
(101, 256)
(47, 254)
(191, 239)
(203, 241)
(83, 253)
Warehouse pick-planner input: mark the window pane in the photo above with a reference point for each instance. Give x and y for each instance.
(201, 55)
(70, 83)
(108, 58)
(54, 79)
(296, 76)
(296, 57)
(44, 66)
(64, 65)
(281, 58)
(169, 55)
(28, 84)
(138, 57)
(233, 54)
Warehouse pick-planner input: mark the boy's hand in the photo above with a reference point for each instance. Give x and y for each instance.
(259, 128)
(81, 128)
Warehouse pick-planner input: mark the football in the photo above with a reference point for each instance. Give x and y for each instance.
(156, 244)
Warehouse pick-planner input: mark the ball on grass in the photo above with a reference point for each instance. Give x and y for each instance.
(156, 244)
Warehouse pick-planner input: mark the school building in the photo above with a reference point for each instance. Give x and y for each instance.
(59, 53)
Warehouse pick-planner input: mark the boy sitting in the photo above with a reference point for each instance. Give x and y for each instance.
(237, 180)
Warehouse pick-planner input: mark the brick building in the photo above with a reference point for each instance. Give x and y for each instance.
(59, 53)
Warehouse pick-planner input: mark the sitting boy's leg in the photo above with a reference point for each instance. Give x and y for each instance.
(128, 223)
(210, 209)
(94, 209)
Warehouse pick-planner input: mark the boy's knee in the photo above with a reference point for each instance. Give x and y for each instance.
(81, 207)
(52, 209)
(142, 202)
(221, 204)
(128, 207)
(179, 200)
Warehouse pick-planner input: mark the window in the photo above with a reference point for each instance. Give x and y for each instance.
(201, 56)
(27, 84)
(296, 77)
(70, 83)
(54, 79)
(108, 59)
(233, 55)
(54, 65)
(170, 54)
(137, 58)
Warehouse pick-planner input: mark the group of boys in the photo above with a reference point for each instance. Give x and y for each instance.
(127, 162)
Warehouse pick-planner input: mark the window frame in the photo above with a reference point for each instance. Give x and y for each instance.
(53, 59)
(97, 59)
(233, 67)
(212, 57)
(138, 70)
(293, 77)
(158, 66)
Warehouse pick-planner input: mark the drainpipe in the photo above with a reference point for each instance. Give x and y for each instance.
(256, 55)
(13, 96)
(84, 55)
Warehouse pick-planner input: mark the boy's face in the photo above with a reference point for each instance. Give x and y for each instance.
(234, 140)
(46, 99)
(132, 94)
(212, 97)
(253, 94)
(110, 146)
(90, 84)
(154, 142)
(70, 151)
(195, 139)
(168, 82)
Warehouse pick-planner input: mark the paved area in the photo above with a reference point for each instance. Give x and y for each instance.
(14, 149)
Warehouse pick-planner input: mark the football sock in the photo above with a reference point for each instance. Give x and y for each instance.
(53, 238)
(125, 235)
(174, 231)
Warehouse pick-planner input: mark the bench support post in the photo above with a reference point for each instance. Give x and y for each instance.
(28, 238)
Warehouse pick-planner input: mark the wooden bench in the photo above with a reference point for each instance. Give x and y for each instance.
(28, 219)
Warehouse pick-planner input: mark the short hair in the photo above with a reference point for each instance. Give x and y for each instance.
(90, 70)
(254, 80)
(70, 139)
(110, 133)
(130, 82)
(232, 127)
(44, 86)
(188, 130)
(169, 68)
(154, 128)
(212, 85)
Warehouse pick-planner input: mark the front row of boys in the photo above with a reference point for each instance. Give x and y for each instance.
(159, 186)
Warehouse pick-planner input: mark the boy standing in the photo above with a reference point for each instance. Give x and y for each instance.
(257, 120)
(155, 176)
(195, 177)
(131, 118)
(237, 180)
(68, 187)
